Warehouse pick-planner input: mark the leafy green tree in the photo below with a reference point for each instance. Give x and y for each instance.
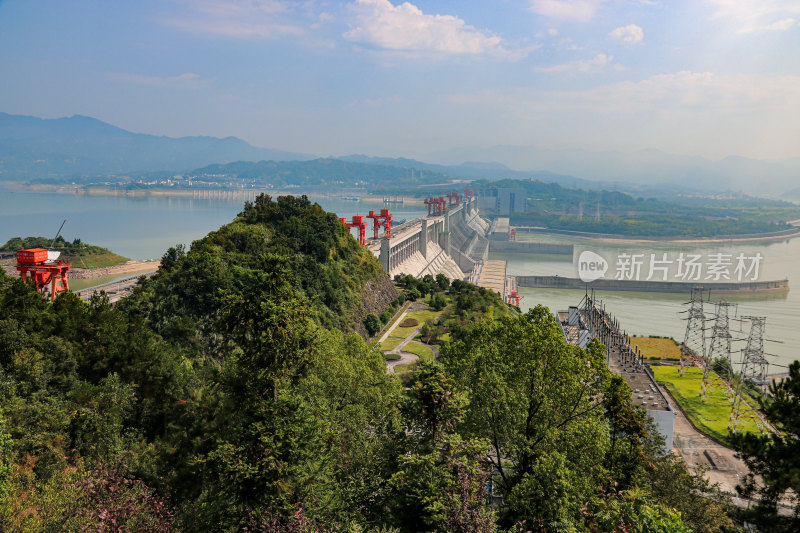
(372, 323)
(773, 459)
(443, 281)
(628, 425)
(6, 462)
(631, 512)
(538, 402)
(441, 480)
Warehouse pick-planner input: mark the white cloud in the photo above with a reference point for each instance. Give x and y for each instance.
(630, 34)
(579, 10)
(188, 80)
(780, 25)
(238, 18)
(595, 64)
(406, 28)
(756, 15)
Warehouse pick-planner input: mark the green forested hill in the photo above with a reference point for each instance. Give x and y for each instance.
(77, 252)
(341, 279)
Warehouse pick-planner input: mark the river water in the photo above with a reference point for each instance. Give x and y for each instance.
(660, 313)
(144, 227)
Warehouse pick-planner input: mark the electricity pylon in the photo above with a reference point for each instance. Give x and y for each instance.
(754, 370)
(695, 338)
(720, 347)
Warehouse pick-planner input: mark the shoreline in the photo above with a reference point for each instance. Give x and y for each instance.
(131, 267)
(624, 239)
(199, 194)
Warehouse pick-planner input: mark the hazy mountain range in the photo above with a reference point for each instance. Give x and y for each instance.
(34, 149)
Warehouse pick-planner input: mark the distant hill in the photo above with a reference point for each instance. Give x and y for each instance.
(318, 172)
(643, 168)
(475, 170)
(37, 149)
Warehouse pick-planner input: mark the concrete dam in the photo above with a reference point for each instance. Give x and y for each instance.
(453, 243)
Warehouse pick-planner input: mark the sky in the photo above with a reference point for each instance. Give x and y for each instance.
(710, 78)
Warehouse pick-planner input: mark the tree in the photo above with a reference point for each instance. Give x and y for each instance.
(265, 442)
(6, 463)
(440, 482)
(372, 323)
(537, 401)
(774, 458)
(631, 512)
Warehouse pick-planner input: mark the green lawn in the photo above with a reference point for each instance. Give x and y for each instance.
(710, 417)
(654, 348)
(420, 317)
(399, 369)
(393, 321)
(390, 344)
(422, 351)
(96, 260)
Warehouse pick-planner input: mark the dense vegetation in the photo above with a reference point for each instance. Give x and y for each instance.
(774, 458)
(221, 398)
(342, 281)
(77, 252)
(553, 206)
(328, 172)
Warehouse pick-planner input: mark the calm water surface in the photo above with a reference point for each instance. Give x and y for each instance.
(660, 313)
(140, 227)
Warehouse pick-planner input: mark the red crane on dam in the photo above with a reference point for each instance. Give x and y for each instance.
(454, 198)
(357, 222)
(383, 219)
(45, 269)
(514, 298)
(436, 206)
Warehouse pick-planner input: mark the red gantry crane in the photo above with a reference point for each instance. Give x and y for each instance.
(44, 268)
(454, 198)
(357, 222)
(436, 206)
(514, 298)
(383, 219)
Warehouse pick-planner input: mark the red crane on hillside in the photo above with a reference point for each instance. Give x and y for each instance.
(358, 222)
(45, 269)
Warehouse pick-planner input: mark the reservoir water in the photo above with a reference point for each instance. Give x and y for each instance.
(144, 227)
(660, 313)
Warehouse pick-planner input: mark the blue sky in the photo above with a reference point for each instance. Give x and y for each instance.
(696, 77)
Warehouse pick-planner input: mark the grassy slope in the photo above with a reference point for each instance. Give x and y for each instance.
(80, 254)
(421, 350)
(654, 348)
(710, 417)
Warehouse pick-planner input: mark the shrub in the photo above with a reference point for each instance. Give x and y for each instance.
(372, 323)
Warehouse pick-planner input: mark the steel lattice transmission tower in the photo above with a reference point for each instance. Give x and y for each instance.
(720, 347)
(754, 370)
(695, 339)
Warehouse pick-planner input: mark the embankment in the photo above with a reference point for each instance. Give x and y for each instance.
(559, 282)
